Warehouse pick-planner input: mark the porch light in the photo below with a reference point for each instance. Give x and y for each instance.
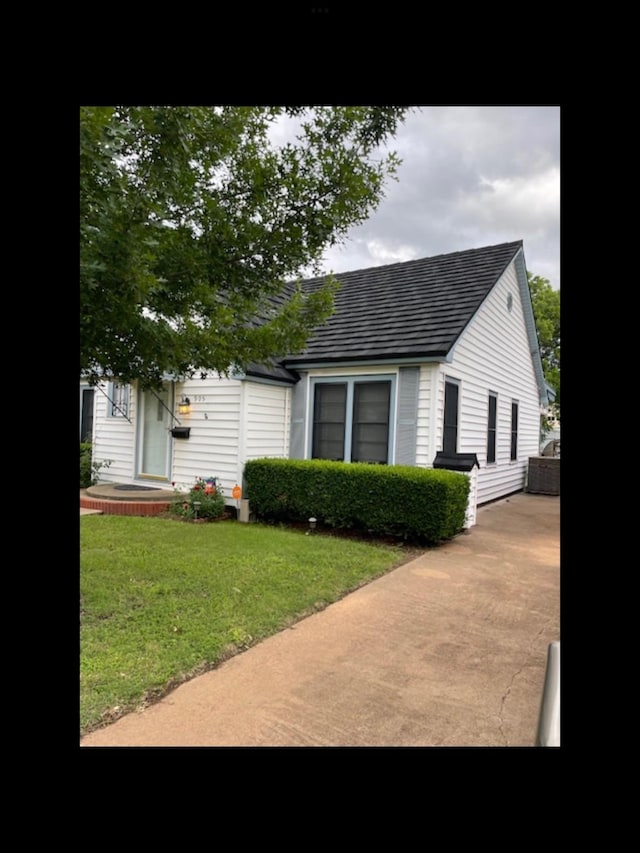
(184, 406)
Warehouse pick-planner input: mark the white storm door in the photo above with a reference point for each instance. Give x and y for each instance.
(155, 438)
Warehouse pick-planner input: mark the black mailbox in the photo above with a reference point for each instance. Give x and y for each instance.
(455, 461)
(180, 432)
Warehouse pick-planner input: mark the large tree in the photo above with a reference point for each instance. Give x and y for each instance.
(192, 220)
(546, 309)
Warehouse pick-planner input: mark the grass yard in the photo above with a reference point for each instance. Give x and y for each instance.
(162, 601)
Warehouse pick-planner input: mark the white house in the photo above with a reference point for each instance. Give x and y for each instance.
(437, 354)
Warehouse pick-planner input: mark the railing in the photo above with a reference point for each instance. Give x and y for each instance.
(549, 722)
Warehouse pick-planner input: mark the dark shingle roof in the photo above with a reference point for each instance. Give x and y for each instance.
(411, 309)
(276, 372)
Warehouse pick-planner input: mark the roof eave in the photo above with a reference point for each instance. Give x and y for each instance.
(310, 362)
(530, 323)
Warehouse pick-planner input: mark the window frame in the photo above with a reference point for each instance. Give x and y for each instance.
(315, 422)
(492, 431)
(87, 401)
(351, 381)
(447, 428)
(116, 392)
(515, 407)
(361, 424)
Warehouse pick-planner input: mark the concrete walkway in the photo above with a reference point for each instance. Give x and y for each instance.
(449, 649)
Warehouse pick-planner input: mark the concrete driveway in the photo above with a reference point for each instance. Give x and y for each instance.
(447, 650)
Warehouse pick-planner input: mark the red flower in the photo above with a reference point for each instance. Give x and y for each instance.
(196, 488)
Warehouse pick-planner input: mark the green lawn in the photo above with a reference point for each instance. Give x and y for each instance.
(162, 601)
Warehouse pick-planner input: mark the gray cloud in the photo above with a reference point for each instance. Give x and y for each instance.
(470, 176)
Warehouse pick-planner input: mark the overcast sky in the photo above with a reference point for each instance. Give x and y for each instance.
(470, 177)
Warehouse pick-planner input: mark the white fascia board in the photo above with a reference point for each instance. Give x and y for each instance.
(530, 323)
(372, 362)
(259, 380)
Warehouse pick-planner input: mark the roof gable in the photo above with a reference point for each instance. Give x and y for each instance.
(412, 309)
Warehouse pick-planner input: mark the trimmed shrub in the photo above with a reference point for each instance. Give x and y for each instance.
(397, 500)
(89, 470)
(85, 465)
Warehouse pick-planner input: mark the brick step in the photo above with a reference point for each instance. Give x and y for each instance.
(120, 507)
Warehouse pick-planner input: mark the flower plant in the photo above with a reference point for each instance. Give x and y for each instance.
(204, 500)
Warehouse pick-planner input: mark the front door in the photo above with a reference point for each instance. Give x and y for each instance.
(154, 436)
(86, 413)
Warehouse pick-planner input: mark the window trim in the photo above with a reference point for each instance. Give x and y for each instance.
(115, 392)
(357, 388)
(315, 422)
(351, 380)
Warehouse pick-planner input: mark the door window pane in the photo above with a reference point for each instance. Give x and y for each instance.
(156, 414)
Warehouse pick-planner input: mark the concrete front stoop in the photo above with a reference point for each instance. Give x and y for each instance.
(124, 499)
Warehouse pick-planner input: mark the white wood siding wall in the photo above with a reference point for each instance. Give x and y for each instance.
(113, 438)
(427, 416)
(230, 421)
(267, 419)
(493, 355)
(212, 448)
(233, 421)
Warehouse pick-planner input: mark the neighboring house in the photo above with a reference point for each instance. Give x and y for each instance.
(423, 356)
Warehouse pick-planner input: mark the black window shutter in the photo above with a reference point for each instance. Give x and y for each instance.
(491, 428)
(450, 436)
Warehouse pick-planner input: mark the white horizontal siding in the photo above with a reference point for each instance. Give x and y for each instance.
(113, 438)
(227, 416)
(266, 421)
(232, 421)
(212, 448)
(427, 416)
(493, 355)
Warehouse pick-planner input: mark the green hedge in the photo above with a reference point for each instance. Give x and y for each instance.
(427, 504)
